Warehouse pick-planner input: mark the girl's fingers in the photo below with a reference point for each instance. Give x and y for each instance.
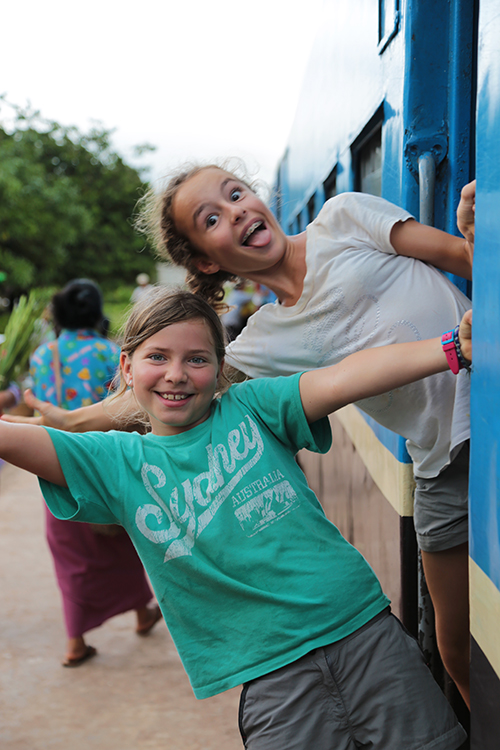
(469, 192)
(465, 335)
(35, 403)
(466, 211)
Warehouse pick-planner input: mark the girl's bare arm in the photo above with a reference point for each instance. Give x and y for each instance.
(113, 413)
(30, 447)
(372, 372)
(443, 250)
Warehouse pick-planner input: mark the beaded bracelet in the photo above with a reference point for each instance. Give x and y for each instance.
(464, 363)
(450, 342)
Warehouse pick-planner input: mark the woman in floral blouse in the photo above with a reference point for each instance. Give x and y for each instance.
(97, 569)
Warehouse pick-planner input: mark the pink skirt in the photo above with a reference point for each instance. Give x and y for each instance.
(99, 576)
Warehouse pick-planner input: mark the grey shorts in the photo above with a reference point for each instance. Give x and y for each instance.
(369, 690)
(441, 511)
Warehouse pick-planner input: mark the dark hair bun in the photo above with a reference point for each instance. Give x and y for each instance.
(78, 305)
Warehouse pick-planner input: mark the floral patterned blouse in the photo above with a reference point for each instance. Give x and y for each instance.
(88, 365)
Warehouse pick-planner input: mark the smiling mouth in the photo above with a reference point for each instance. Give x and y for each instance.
(256, 226)
(175, 396)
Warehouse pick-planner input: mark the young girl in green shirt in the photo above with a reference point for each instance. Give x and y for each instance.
(256, 585)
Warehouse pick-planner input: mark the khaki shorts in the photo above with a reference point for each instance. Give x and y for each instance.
(369, 690)
(441, 511)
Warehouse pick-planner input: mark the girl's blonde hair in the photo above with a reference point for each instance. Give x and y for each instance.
(161, 308)
(156, 220)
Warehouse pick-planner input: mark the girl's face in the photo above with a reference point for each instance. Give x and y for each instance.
(228, 224)
(174, 376)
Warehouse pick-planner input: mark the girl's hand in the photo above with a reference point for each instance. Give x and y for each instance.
(465, 335)
(50, 415)
(466, 212)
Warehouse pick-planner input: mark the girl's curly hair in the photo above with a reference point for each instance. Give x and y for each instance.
(155, 220)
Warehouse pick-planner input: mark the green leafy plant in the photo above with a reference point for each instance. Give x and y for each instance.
(22, 335)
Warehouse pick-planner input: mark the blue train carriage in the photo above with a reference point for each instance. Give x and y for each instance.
(485, 397)
(388, 106)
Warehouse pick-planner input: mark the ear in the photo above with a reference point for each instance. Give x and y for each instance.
(126, 367)
(206, 266)
(219, 373)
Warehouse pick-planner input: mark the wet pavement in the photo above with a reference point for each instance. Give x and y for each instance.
(134, 695)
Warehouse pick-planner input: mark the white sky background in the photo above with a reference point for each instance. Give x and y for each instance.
(199, 79)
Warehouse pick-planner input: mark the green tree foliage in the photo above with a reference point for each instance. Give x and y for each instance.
(66, 201)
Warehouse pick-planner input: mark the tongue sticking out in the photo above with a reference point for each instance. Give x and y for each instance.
(259, 238)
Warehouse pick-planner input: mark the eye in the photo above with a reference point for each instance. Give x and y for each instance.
(156, 357)
(198, 360)
(236, 194)
(211, 220)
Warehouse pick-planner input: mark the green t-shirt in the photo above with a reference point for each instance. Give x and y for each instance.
(248, 571)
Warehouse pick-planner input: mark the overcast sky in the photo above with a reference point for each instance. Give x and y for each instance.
(195, 78)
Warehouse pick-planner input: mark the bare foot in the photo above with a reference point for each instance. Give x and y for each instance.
(147, 617)
(77, 651)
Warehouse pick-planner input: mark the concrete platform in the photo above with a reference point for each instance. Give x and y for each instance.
(134, 695)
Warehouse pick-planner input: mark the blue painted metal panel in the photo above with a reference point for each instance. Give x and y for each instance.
(437, 104)
(422, 81)
(485, 400)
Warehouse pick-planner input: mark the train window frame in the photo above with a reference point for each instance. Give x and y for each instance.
(371, 129)
(330, 184)
(389, 17)
(311, 208)
(278, 207)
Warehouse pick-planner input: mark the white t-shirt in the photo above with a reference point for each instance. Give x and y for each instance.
(358, 294)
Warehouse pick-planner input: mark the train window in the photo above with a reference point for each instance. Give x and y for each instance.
(388, 22)
(330, 184)
(311, 208)
(277, 199)
(369, 164)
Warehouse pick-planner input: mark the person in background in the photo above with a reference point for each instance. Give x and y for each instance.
(97, 568)
(9, 397)
(263, 296)
(241, 306)
(142, 288)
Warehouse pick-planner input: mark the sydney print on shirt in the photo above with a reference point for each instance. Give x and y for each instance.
(177, 520)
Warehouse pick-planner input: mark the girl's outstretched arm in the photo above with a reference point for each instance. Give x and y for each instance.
(449, 253)
(443, 250)
(372, 372)
(30, 447)
(113, 413)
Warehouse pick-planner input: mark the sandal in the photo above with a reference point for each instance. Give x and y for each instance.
(90, 651)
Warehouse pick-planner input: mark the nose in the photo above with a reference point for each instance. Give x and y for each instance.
(237, 212)
(175, 372)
